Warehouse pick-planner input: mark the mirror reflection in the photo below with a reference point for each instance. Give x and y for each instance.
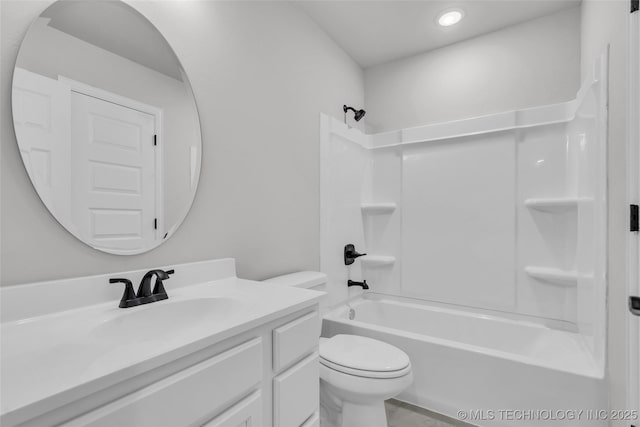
(107, 125)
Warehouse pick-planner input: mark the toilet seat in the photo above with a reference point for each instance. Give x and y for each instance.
(366, 374)
(363, 357)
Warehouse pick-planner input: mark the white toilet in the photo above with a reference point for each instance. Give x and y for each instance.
(357, 374)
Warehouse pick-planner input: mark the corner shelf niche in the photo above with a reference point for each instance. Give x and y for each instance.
(555, 204)
(378, 208)
(556, 276)
(377, 260)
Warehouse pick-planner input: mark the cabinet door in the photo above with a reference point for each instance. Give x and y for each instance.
(247, 413)
(296, 339)
(296, 393)
(187, 397)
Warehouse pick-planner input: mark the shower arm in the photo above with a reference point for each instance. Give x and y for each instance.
(346, 108)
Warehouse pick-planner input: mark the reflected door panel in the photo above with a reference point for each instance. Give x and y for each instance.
(113, 174)
(41, 119)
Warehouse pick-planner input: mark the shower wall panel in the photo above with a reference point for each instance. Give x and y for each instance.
(459, 223)
(545, 237)
(345, 173)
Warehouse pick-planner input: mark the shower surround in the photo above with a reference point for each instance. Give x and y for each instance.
(501, 218)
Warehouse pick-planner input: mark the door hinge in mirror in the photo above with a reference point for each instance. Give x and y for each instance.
(634, 219)
(634, 305)
(155, 140)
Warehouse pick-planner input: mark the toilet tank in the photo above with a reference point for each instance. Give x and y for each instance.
(313, 280)
(302, 279)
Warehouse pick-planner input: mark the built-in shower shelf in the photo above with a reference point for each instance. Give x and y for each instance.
(555, 205)
(377, 260)
(378, 208)
(553, 275)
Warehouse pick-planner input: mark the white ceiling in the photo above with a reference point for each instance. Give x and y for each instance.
(374, 32)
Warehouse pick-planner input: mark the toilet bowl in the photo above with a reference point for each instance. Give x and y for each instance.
(357, 374)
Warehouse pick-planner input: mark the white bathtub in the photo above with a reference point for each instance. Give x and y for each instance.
(502, 372)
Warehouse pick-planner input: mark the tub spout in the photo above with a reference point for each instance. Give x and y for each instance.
(354, 283)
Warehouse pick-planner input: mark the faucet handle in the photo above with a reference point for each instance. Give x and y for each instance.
(158, 289)
(350, 254)
(162, 274)
(128, 294)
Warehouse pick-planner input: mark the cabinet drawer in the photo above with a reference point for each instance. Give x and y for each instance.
(247, 413)
(296, 393)
(187, 397)
(295, 339)
(314, 421)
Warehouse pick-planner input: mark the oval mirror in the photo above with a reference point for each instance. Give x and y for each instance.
(107, 125)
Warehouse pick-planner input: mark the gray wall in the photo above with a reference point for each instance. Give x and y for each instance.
(605, 22)
(526, 65)
(261, 72)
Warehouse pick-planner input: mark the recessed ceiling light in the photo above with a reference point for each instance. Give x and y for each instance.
(450, 17)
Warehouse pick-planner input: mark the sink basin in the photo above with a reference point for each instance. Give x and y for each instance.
(165, 320)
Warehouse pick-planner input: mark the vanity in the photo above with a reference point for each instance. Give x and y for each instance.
(220, 351)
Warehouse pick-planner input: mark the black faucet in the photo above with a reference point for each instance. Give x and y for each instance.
(350, 254)
(354, 283)
(144, 295)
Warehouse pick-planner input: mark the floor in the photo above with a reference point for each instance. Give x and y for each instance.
(400, 414)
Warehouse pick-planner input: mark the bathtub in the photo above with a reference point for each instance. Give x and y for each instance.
(498, 371)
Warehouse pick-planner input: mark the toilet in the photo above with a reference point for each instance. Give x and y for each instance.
(357, 374)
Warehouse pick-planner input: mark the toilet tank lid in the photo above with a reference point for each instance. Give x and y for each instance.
(301, 279)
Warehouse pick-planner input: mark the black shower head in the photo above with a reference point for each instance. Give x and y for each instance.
(357, 114)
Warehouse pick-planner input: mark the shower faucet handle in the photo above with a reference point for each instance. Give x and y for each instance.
(350, 254)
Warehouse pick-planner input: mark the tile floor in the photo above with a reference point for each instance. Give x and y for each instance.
(400, 414)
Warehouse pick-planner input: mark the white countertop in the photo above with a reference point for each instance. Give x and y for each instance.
(56, 358)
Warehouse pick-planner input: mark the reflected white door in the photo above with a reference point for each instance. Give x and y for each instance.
(113, 157)
(41, 120)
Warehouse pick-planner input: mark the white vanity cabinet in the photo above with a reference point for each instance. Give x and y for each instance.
(221, 351)
(267, 376)
(296, 387)
(186, 397)
(296, 393)
(246, 413)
